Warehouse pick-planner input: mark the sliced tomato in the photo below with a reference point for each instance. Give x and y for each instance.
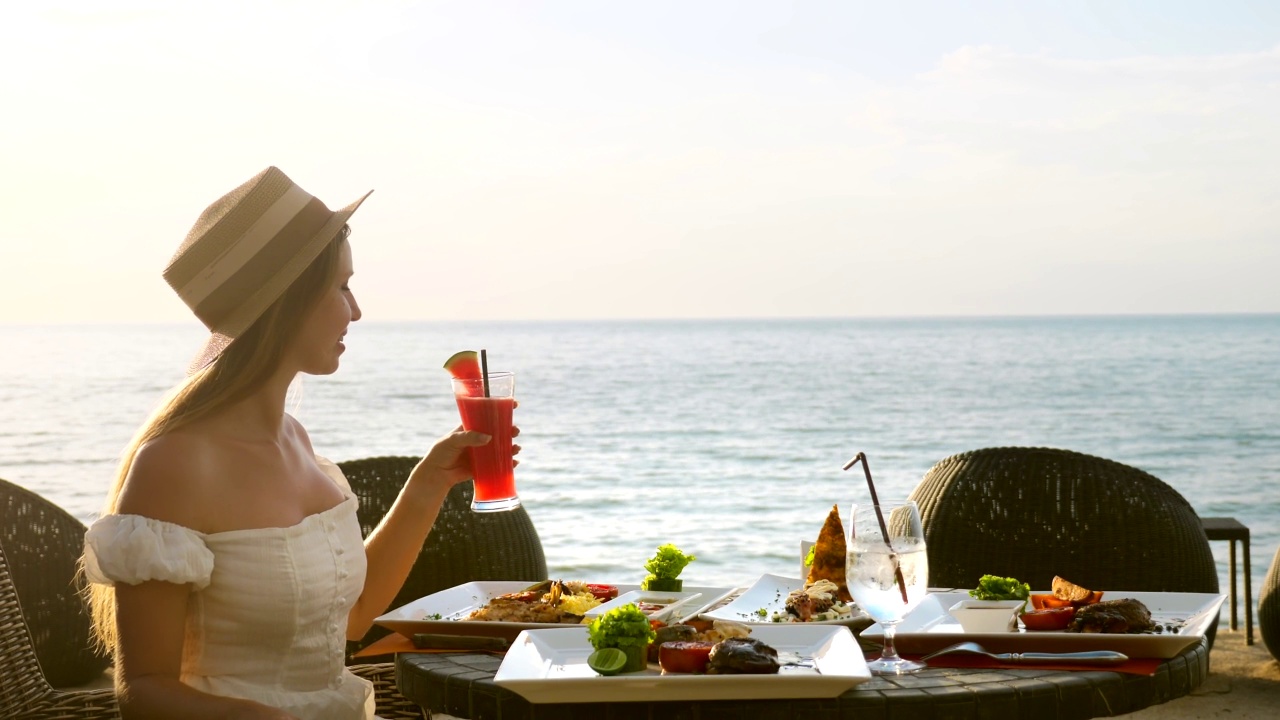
(1048, 619)
(603, 592)
(685, 656)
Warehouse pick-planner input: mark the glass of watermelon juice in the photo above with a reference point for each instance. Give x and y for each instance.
(494, 470)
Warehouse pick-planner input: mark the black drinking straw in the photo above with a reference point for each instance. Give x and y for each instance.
(884, 529)
(484, 370)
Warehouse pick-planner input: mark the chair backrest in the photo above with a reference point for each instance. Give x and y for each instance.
(44, 543)
(1032, 513)
(463, 546)
(21, 681)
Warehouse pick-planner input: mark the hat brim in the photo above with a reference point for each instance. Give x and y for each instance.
(218, 342)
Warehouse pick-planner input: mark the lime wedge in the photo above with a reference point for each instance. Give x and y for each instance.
(607, 661)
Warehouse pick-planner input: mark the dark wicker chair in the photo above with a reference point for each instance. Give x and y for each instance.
(1269, 608)
(25, 694)
(44, 543)
(1032, 513)
(463, 546)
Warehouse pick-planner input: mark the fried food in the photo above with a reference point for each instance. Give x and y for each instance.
(829, 556)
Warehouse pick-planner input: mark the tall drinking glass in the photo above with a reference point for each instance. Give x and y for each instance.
(887, 571)
(494, 475)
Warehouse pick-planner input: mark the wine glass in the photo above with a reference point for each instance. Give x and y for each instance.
(887, 571)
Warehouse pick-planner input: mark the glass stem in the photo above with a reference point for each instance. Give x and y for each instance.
(888, 652)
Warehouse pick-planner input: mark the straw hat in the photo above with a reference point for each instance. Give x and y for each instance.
(246, 249)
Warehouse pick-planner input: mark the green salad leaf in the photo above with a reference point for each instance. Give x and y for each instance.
(621, 627)
(994, 587)
(668, 563)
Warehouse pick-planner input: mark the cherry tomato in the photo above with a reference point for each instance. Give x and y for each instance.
(685, 656)
(1048, 619)
(603, 592)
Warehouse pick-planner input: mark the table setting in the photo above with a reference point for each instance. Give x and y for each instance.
(861, 626)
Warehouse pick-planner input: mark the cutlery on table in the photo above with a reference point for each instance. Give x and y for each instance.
(1089, 657)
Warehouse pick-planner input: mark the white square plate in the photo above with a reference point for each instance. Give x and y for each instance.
(929, 627)
(551, 666)
(445, 612)
(669, 601)
(769, 595)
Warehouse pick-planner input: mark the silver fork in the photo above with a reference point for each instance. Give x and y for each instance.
(1089, 657)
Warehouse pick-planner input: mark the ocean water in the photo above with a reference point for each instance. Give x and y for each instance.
(723, 437)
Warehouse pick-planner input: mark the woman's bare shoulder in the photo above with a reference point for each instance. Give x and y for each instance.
(171, 478)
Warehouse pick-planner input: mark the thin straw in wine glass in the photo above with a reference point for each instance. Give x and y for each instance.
(484, 370)
(884, 529)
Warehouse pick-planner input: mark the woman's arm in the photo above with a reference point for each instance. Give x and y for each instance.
(393, 546)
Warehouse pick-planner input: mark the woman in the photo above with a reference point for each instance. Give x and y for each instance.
(227, 571)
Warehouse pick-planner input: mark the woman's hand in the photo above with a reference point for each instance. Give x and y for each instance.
(449, 459)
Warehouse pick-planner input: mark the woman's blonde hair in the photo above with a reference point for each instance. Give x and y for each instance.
(242, 368)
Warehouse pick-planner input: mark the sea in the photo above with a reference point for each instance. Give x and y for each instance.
(724, 437)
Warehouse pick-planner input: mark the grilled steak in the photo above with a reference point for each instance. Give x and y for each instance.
(1112, 616)
(742, 655)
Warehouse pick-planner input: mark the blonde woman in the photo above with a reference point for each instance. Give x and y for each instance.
(228, 569)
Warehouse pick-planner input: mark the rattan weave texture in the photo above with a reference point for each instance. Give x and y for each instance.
(463, 546)
(1269, 608)
(24, 692)
(1032, 513)
(44, 543)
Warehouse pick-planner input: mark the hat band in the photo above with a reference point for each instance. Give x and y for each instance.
(197, 286)
(218, 308)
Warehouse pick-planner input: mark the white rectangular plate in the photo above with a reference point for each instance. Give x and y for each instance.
(551, 666)
(670, 601)
(445, 612)
(770, 594)
(929, 627)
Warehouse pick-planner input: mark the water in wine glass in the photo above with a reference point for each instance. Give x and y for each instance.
(872, 576)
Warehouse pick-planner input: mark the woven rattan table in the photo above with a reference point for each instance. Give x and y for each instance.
(462, 685)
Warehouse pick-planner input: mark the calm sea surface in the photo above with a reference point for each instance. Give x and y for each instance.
(724, 437)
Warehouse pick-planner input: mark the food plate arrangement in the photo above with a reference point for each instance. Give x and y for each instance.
(768, 595)
(445, 612)
(1186, 617)
(551, 666)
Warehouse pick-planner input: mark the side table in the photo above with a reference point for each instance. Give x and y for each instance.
(1231, 530)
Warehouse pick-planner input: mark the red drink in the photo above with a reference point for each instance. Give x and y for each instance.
(492, 465)
(495, 478)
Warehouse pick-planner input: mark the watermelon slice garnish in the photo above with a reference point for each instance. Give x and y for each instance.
(464, 365)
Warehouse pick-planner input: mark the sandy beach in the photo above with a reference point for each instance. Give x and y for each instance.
(1243, 683)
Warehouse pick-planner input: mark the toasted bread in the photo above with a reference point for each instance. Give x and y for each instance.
(829, 555)
(1070, 592)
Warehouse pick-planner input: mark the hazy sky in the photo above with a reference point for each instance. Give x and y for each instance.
(602, 159)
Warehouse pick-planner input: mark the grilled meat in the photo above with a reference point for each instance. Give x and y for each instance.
(1113, 616)
(742, 655)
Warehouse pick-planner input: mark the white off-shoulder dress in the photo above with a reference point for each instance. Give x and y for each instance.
(267, 616)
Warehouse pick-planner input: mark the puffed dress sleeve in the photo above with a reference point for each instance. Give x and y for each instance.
(133, 549)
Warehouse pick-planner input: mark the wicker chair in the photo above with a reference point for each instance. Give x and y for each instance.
(463, 546)
(1269, 608)
(25, 694)
(44, 542)
(1032, 513)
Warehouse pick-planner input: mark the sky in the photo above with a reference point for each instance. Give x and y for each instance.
(688, 159)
